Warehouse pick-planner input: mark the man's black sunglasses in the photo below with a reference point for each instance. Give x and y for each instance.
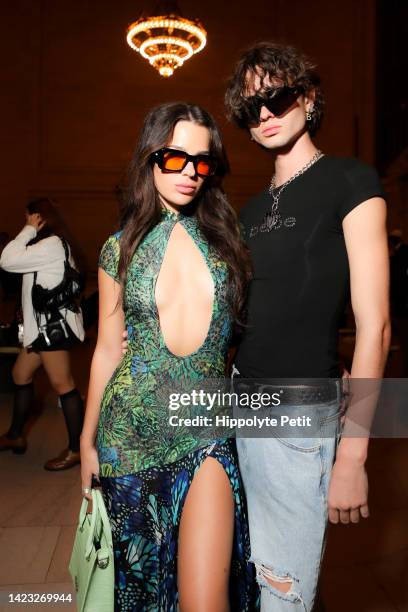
(277, 101)
(173, 160)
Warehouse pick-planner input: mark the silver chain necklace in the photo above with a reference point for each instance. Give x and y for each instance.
(273, 218)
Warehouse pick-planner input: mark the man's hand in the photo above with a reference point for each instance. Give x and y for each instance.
(125, 342)
(348, 492)
(35, 220)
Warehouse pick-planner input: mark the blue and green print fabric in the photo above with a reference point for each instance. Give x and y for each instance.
(146, 469)
(145, 511)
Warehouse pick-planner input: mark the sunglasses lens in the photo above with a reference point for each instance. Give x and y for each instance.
(281, 101)
(173, 161)
(250, 112)
(204, 167)
(277, 103)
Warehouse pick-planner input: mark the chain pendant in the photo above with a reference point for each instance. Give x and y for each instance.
(273, 219)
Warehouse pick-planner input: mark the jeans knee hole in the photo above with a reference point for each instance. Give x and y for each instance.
(281, 585)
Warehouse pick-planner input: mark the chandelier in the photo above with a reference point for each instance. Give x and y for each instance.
(166, 41)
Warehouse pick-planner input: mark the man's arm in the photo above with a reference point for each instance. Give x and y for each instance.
(366, 242)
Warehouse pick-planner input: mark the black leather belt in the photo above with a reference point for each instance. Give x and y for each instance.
(304, 394)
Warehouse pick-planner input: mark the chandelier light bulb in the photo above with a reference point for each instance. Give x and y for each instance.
(166, 41)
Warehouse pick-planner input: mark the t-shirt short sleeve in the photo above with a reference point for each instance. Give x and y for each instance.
(109, 257)
(362, 183)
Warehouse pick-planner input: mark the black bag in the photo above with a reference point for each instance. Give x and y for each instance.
(64, 295)
(55, 333)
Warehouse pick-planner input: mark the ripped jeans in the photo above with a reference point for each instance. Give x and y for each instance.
(286, 482)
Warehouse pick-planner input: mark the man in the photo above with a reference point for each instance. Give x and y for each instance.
(315, 233)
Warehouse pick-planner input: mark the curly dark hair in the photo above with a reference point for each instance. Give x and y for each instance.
(282, 62)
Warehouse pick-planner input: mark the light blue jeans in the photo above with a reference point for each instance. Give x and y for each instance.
(286, 482)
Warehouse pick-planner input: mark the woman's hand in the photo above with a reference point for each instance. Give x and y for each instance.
(89, 468)
(35, 220)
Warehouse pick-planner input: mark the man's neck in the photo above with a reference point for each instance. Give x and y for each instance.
(293, 158)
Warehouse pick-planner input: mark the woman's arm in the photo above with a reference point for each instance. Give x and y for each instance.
(19, 258)
(108, 352)
(107, 356)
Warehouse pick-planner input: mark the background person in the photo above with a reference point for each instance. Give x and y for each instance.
(38, 249)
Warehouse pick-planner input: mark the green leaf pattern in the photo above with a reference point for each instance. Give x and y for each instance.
(134, 412)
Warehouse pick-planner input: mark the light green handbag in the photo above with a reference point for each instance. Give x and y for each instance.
(91, 565)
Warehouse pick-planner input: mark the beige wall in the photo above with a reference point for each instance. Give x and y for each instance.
(75, 94)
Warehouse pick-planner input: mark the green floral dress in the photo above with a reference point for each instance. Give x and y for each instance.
(146, 468)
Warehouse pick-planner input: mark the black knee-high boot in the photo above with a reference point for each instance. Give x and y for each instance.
(23, 399)
(13, 440)
(73, 409)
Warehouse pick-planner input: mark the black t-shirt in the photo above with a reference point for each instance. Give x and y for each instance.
(301, 273)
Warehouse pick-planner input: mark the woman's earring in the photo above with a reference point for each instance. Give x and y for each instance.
(309, 114)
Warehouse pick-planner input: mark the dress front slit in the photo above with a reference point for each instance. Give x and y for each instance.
(145, 511)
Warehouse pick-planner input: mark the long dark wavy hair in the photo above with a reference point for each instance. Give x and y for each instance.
(217, 220)
(283, 62)
(55, 226)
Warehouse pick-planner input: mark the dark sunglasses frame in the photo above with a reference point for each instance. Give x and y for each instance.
(277, 101)
(158, 158)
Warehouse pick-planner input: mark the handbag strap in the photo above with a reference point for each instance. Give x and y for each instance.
(90, 541)
(37, 315)
(66, 251)
(83, 512)
(103, 516)
(65, 245)
(98, 516)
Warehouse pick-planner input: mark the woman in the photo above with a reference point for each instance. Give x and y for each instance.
(38, 252)
(176, 275)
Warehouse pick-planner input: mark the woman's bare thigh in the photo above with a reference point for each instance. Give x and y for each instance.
(57, 364)
(25, 366)
(205, 541)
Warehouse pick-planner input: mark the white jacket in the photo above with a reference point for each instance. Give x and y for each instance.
(46, 257)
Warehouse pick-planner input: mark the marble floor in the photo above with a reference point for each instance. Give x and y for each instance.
(365, 567)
